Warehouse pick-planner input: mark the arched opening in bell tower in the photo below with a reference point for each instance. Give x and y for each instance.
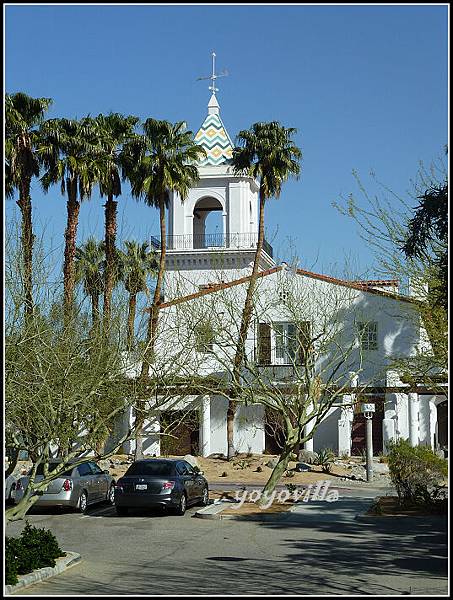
(208, 223)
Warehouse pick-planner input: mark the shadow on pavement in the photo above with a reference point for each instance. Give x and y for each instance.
(322, 550)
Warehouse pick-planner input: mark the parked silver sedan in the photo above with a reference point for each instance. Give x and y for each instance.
(77, 487)
(10, 486)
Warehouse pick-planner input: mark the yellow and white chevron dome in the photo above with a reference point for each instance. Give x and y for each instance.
(213, 137)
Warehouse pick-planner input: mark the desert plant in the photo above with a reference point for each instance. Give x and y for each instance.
(243, 464)
(325, 458)
(416, 472)
(291, 487)
(34, 549)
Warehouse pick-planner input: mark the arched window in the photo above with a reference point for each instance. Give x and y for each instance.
(208, 224)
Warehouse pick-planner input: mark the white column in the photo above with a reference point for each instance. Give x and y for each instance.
(388, 432)
(346, 418)
(151, 437)
(413, 419)
(225, 228)
(344, 428)
(399, 404)
(205, 426)
(308, 428)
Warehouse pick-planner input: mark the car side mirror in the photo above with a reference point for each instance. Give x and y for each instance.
(106, 472)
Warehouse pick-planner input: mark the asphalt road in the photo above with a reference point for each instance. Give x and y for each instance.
(319, 550)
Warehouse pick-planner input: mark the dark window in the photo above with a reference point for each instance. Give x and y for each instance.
(84, 469)
(264, 344)
(368, 335)
(95, 468)
(52, 467)
(181, 469)
(184, 468)
(152, 469)
(205, 337)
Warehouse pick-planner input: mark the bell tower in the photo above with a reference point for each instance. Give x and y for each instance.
(197, 256)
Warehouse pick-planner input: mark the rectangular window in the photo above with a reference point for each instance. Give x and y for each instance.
(368, 335)
(285, 343)
(204, 338)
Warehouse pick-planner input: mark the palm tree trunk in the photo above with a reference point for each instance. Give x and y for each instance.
(245, 324)
(131, 320)
(24, 203)
(110, 263)
(154, 311)
(73, 209)
(152, 330)
(94, 309)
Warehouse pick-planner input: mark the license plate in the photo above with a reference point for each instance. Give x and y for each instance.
(141, 486)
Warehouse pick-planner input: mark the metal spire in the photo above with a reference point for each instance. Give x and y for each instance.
(213, 77)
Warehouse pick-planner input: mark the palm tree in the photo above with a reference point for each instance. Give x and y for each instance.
(136, 264)
(71, 156)
(114, 131)
(23, 114)
(162, 161)
(267, 153)
(89, 270)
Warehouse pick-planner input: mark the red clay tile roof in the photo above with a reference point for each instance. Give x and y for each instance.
(362, 286)
(383, 282)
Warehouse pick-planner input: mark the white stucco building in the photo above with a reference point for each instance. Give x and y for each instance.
(363, 325)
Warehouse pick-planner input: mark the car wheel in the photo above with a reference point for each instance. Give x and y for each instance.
(181, 508)
(111, 495)
(205, 497)
(83, 502)
(121, 511)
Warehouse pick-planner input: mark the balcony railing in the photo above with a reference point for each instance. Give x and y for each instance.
(207, 241)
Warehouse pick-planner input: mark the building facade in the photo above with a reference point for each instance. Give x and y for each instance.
(359, 328)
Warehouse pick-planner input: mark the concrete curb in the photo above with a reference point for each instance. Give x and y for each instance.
(213, 512)
(364, 518)
(61, 564)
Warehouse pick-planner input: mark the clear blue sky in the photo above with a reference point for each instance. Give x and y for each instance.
(365, 86)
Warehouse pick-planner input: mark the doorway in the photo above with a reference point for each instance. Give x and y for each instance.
(358, 432)
(184, 433)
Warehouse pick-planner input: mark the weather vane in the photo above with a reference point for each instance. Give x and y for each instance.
(213, 77)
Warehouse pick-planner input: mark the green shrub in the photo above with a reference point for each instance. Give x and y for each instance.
(34, 549)
(11, 551)
(325, 459)
(416, 472)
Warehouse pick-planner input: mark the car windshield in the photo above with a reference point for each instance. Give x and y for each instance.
(52, 467)
(151, 469)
